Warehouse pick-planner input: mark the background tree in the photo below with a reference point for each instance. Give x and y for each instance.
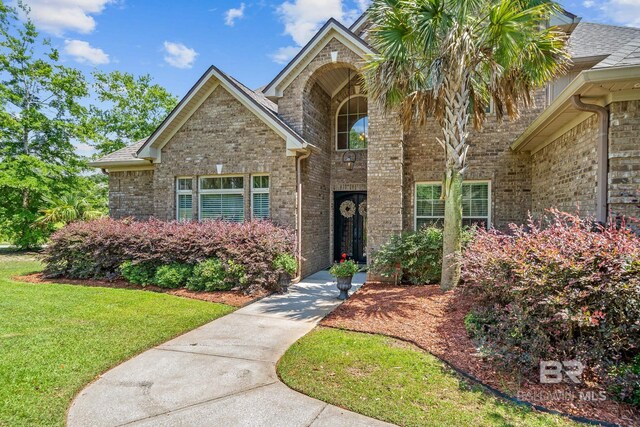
(67, 208)
(39, 120)
(130, 109)
(447, 59)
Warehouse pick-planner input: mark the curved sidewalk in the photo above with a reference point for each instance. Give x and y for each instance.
(221, 374)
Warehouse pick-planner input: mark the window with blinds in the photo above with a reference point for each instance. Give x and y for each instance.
(184, 199)
(222, 198)
(429, 209)
(260, 197)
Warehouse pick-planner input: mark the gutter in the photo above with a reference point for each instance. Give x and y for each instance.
(299, 160)
(123, 163)
(586, 79)
(602, 155)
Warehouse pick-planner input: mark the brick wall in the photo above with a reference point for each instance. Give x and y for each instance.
(564, 172)
(490, 158)
(131, 194)
(223, 131)
(624, 159)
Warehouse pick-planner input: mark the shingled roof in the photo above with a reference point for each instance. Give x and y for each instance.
(593, 40)
(629, 54)
(126, 154)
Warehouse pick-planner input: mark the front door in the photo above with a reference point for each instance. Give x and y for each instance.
(350, 222)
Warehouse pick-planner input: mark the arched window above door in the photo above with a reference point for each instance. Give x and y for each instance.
(353, 124)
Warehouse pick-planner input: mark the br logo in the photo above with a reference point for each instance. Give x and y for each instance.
(553, 371)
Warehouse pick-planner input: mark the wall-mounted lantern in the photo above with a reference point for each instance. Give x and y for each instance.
(349, 159)
(219, 169)
(334, 56)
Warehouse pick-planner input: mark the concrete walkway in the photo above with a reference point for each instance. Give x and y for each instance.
(221, 374)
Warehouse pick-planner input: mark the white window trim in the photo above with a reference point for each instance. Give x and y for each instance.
(335, 134)
(260, 191)
(180, 192)
(224, 191)
(466, 181)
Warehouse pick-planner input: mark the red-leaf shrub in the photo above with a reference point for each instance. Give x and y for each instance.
(96, 249)
(568, 290)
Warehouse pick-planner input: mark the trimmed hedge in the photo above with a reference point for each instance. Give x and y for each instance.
(97, 249)
(568, 290)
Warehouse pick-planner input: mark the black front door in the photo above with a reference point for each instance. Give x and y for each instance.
(350, 222)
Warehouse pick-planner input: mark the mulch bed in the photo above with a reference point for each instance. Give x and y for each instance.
(233, 298)
(434, 321)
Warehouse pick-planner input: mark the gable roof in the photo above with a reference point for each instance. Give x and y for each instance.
(257, 103)
(360, 23)
(331, 29)
(599, 40)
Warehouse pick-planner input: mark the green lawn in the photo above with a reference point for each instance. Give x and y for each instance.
(387, 379)
(54, 339)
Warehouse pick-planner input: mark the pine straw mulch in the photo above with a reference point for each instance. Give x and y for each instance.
(434, 321)
(233, 298)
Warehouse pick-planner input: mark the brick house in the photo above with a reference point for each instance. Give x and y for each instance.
(309, 151)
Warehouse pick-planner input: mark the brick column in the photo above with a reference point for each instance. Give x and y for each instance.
(384, 178)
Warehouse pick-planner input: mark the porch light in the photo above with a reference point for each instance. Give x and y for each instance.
(219, 169)
(349, 159)
(334, 56)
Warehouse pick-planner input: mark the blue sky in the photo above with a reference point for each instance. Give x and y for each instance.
(175, 42)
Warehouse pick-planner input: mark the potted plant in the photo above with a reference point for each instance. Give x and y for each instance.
(286, 266)
(343, 272)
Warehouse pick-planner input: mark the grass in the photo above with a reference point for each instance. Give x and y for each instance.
(54, 339)
(390, 380)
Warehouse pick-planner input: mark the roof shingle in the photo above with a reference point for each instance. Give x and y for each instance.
(589, 39)
(123, 154)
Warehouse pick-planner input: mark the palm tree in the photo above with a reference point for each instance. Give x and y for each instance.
(448, 59)
(68, 208)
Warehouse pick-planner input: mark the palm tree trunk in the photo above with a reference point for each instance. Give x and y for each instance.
(454, 129)
(452, 235)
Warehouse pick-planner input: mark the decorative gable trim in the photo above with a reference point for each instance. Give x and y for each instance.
(332, 29)
(213, 78)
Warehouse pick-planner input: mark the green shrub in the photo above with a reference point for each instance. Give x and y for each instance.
(174, 275)
(285, 263)
(624, 381)
(208, 275)
(138, 274)
(415, 256)
(235, 274)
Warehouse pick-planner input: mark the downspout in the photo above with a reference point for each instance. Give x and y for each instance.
(299, 160)
(602, 173)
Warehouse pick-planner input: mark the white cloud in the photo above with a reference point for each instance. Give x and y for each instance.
(284, 54)
(83, 52)
(179, 55)
(58, 16)
(625, 12)
(303, 18)
(588, 3)
(232, 14)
